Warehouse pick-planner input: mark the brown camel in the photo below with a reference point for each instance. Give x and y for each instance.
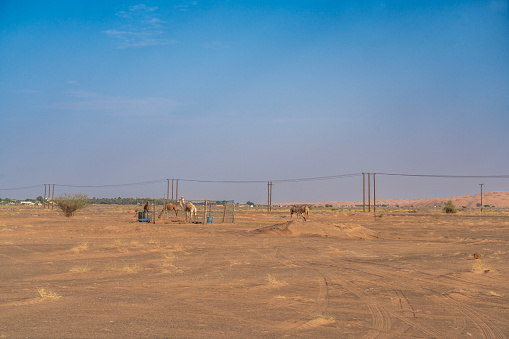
(295, 209)
(146, 207)
(169, 207)
(302, 210)
(189, 208)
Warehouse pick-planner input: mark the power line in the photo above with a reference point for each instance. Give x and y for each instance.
(20, 188)
(278, 180)
(330, 177)
(503, 176)
(115, 185)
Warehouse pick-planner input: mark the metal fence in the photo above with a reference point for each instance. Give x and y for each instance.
(207, 211)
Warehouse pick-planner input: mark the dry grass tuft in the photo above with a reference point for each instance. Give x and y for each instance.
(80, 248)
(131, 269)
(177, 247)
(325, 316)
(170, 256)
(47, 294)
(111, 267)
(121, 247)
(274, 282)
(80, 269)
(169, 267)
(135, 243)
(481, 266)
(234, 262)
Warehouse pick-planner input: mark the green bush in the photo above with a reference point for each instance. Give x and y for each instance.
(450, 208)
(69, 204)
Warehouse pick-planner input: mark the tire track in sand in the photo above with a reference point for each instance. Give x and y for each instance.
(381, 320)
(464, 313)
(381, 315)
(488, 330)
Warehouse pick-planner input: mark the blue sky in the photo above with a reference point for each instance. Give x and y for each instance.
(109, 92)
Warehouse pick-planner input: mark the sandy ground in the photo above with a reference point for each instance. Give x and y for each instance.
(495, 198)
(100, 274)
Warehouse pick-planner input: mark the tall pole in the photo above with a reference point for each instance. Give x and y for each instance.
(168, 191)
(53, 196)
(481, 197)
(44, 202)
(271, 195)
(369, 192)
(268, 196)
(172, 188)
(364, 192)
(177, 190)
(374, 193)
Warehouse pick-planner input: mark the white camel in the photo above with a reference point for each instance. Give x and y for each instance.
(189, 208)
(304, 211)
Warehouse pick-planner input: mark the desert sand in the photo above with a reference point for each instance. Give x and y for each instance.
(494, 198)
(101, 274)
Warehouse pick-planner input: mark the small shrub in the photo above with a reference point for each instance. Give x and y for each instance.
(450, 208)
(69, 204)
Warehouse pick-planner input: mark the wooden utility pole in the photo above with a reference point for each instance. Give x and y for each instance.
(481, 197)
(364, 192)
(268, 196)
(53, 196)
(172, 188)
(44, 201)
(369, 192)
(374, 193)
(271, 195)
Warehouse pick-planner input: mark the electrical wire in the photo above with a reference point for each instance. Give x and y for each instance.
(330, 177)
(503, 176)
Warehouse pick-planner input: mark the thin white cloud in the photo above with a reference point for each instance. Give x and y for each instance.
(116, 105)
(185, 7)
(141, 27)
(136, 10)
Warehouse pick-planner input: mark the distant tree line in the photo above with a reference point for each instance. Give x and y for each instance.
(8, 200)
(112, 201)
(102, 201)
(107, 201)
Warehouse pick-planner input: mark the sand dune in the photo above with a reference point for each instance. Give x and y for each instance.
(495, 198)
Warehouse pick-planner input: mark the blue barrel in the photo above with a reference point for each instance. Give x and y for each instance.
(210, 220)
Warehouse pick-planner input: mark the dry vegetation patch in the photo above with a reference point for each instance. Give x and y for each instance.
(80, 248)
(80, 269)
(273, 281)
(46, 293)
